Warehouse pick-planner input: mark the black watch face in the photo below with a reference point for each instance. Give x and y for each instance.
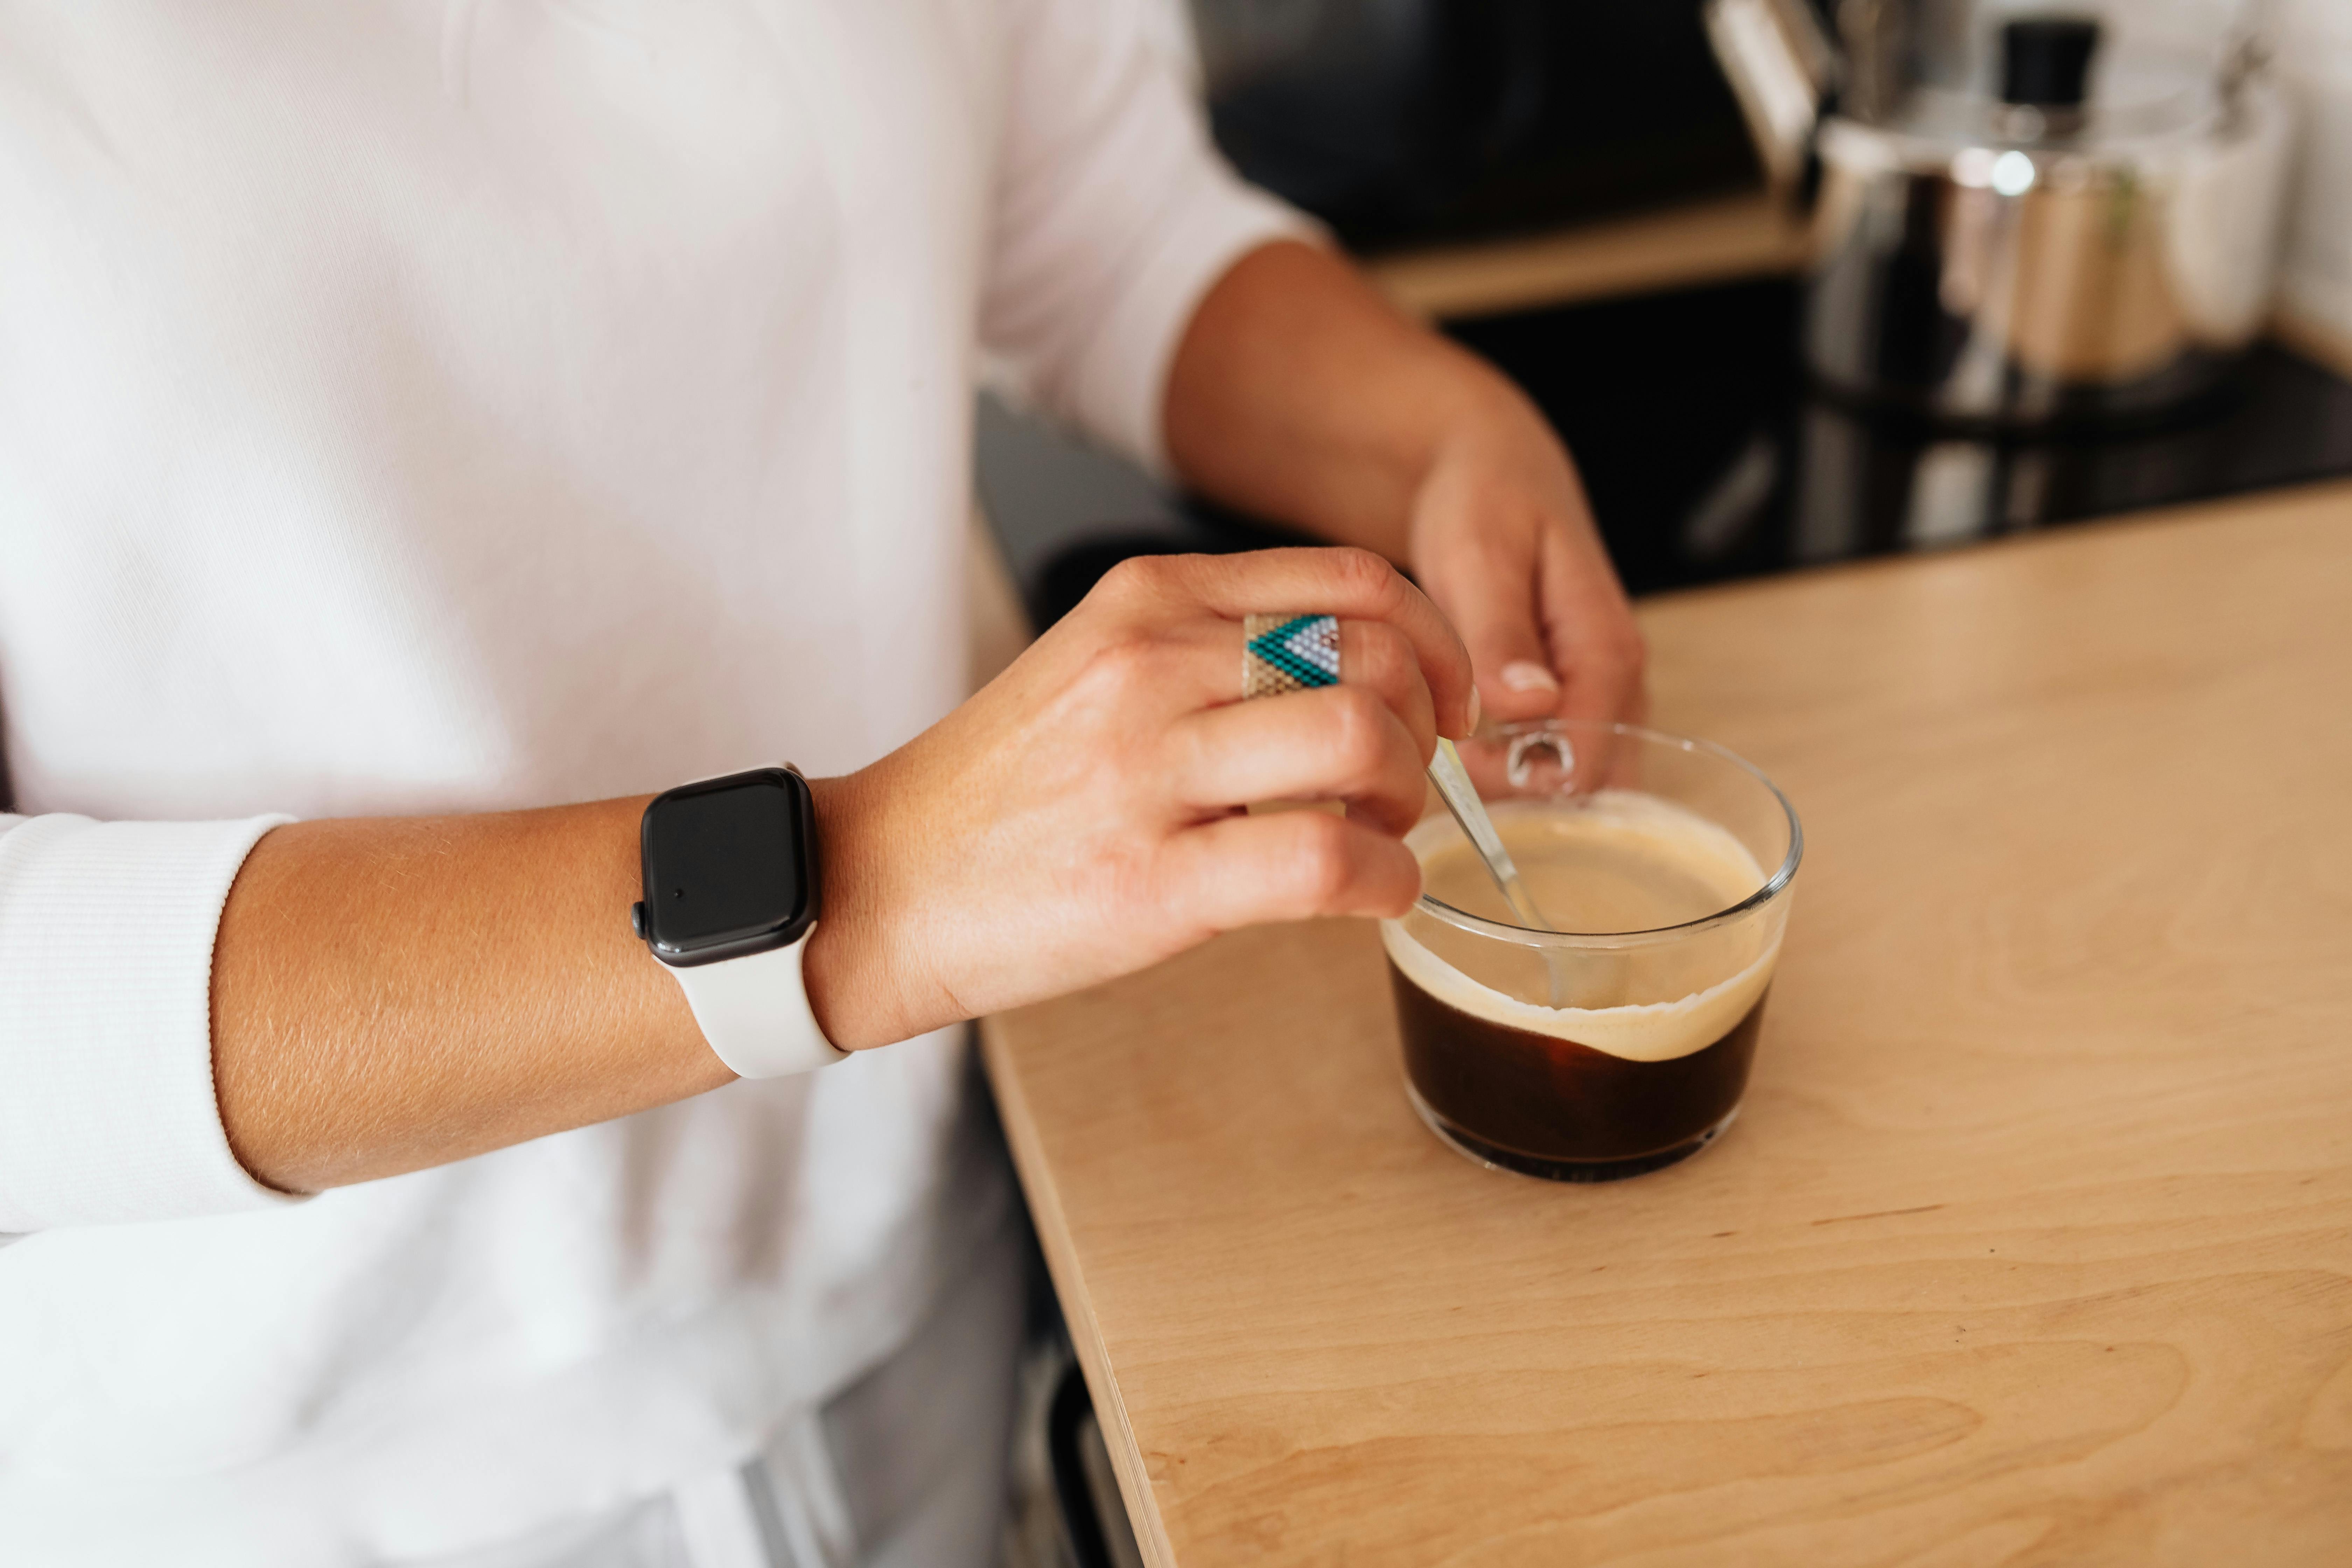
(729, 867)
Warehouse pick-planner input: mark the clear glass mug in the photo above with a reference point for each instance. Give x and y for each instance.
(1619, 1043)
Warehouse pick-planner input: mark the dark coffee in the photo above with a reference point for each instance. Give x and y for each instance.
(1621, 1046)
(1551, 1106)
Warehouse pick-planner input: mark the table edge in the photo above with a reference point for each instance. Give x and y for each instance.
(1053, 1238)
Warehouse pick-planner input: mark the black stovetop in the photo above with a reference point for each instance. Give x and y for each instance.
(1708, 458)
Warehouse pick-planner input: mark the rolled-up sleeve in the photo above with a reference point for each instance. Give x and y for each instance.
(1113, 218)
(107, 1110)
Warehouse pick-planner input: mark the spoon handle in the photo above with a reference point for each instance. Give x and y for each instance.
(1453, 786)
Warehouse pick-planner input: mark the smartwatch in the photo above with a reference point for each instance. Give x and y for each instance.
(730, 896)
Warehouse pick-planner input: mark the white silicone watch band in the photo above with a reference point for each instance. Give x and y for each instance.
(754, 1012)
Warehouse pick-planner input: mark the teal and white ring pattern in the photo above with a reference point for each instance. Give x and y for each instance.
(1288, 653)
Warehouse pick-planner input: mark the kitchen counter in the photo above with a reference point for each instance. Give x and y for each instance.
(1751, 235)
(2034, 1243)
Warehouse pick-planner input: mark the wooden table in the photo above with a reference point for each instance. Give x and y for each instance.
(1751, 235)
(1720, 239)
(2033, 1244)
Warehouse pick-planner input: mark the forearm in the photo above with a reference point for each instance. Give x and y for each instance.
(1299, 393)
(394, 993)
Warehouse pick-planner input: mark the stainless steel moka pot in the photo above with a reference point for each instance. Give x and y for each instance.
(2032, 255)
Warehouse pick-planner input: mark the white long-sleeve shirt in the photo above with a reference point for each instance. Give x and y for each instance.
(409, 406)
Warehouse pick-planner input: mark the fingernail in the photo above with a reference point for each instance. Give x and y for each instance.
(1473, 708)
(1520, 675)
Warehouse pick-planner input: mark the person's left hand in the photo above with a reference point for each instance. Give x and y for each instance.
(1503, 539)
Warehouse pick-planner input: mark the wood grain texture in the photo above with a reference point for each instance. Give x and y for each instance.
(2033, 1244)
(1676, 247)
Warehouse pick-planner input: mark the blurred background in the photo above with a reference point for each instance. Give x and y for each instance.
(1768, 266)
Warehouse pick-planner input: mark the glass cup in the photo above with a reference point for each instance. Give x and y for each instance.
(1619, 1043)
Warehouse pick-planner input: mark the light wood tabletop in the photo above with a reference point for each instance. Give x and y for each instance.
(1750, 234)
(2034, 1243)
(1721, 240)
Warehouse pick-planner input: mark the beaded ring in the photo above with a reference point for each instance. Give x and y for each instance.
(1288, 653)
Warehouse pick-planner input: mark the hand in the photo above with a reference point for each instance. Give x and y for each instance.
(1502, 537)
(1083, 815)
(1299, 393)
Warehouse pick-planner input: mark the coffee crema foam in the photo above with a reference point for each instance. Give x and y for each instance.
(1616, 861)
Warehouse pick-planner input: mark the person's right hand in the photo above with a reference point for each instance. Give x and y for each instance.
(1083, 815)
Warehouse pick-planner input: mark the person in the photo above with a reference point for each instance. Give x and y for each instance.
(429, 428)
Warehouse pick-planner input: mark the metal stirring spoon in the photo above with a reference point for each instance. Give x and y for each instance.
(1461, 797)
(1453, 786)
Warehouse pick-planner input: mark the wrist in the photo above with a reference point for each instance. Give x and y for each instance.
(1458, 404)
(847, 967)
(1491, 422)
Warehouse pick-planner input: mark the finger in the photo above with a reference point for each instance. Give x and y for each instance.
(1595, 643)
(1374, 657)
(1202, 668)
(1338, 743)
(1489, 588)
(1350, 583)
(1294, 865)
(1378, 657)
